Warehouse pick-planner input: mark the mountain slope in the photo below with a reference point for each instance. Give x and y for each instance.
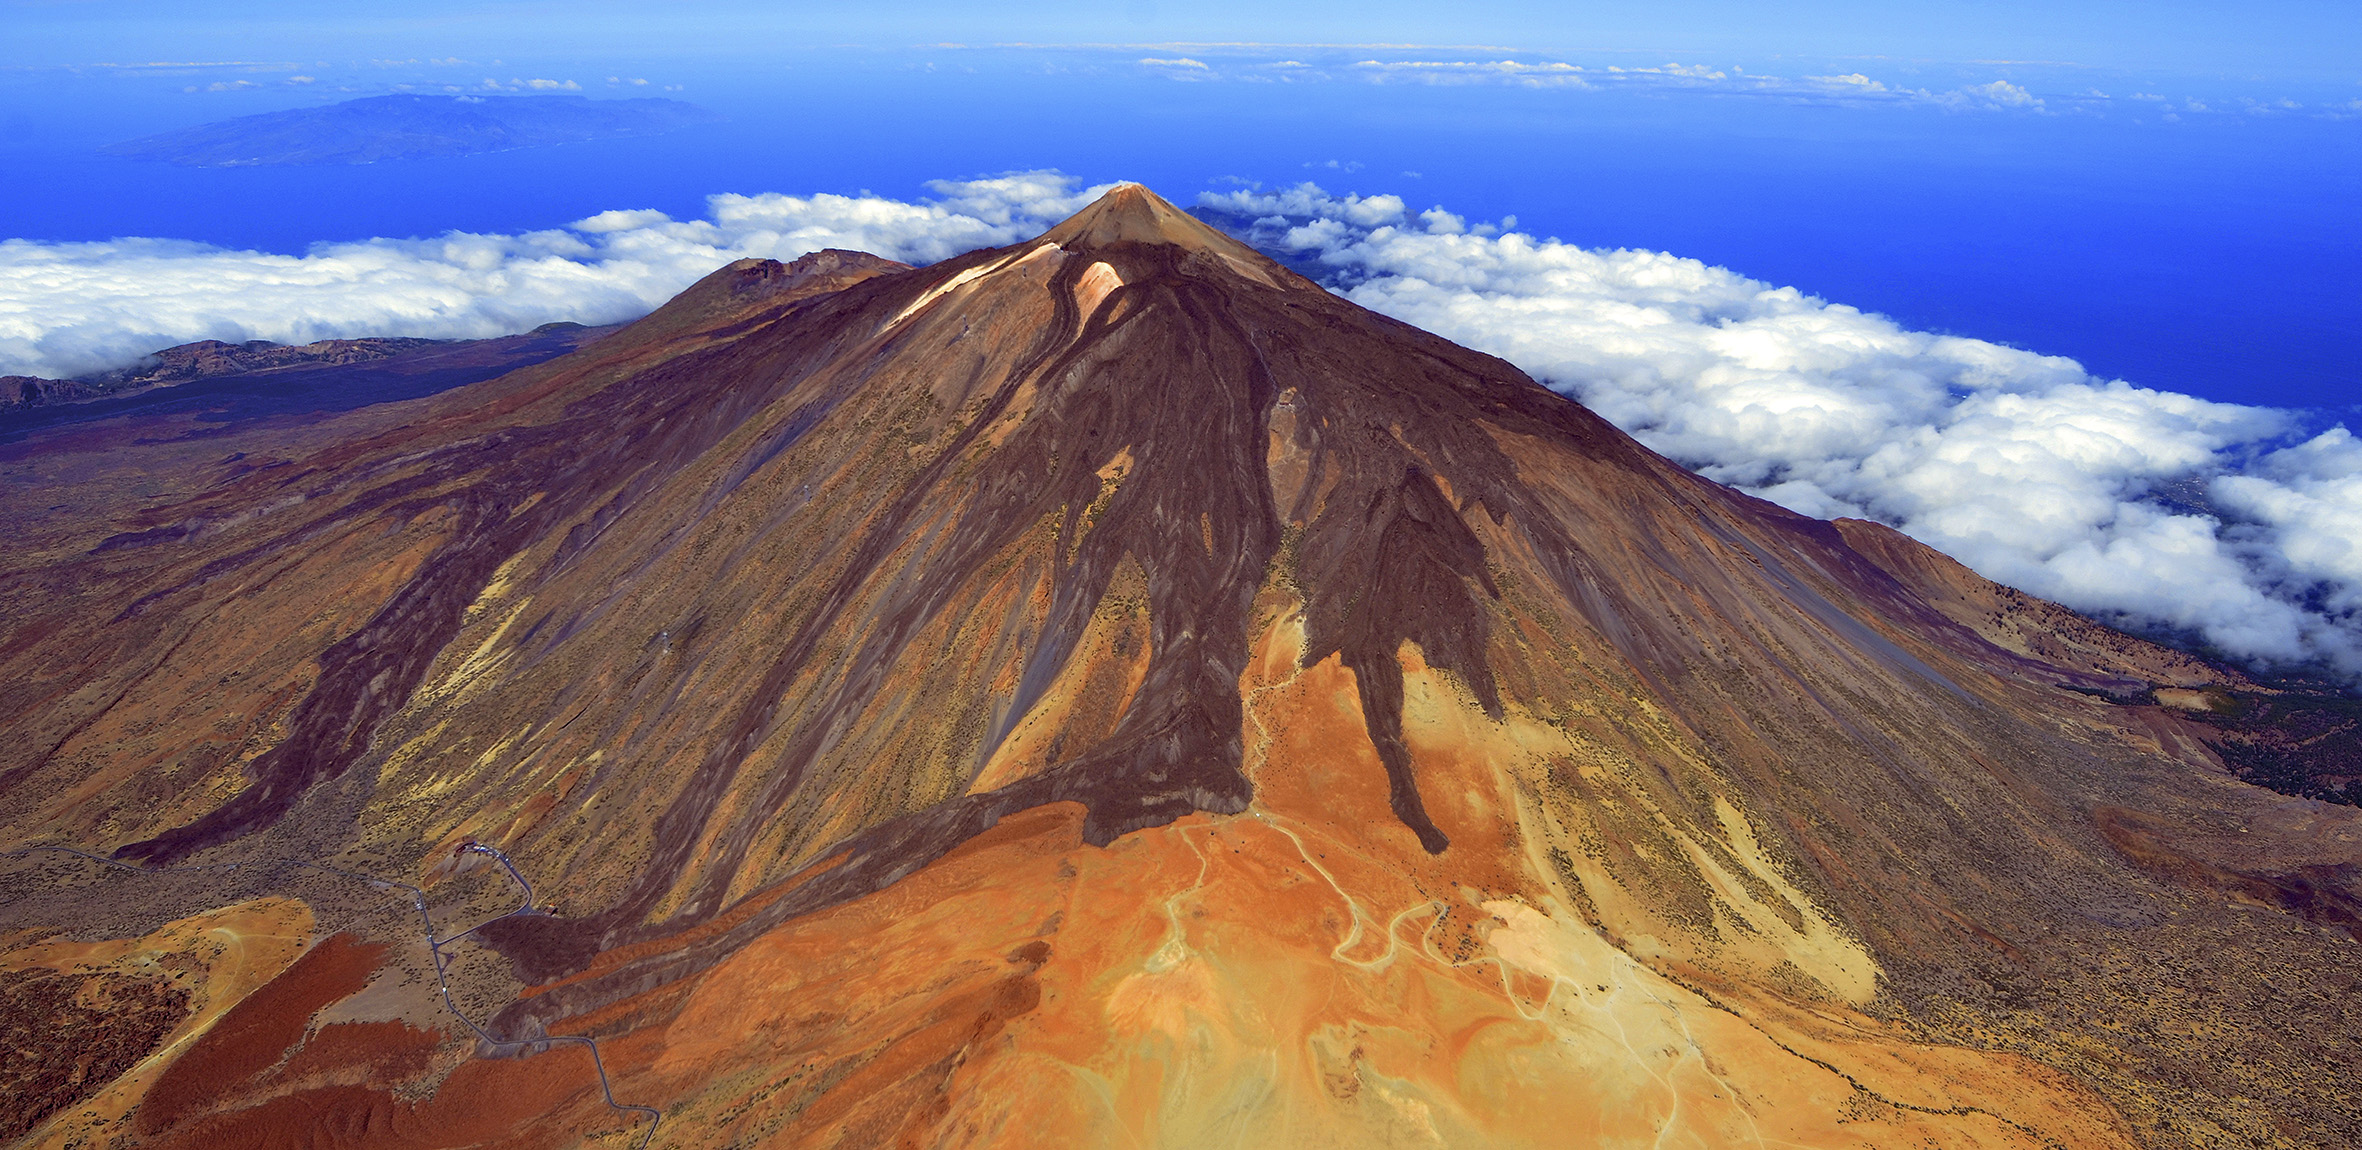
(1109, 690)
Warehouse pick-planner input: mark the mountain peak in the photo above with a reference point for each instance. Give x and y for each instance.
(1130, 213)
(819, 636)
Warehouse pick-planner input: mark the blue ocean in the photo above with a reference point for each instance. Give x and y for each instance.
(2211, 255)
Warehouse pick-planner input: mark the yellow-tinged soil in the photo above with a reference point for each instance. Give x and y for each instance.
(1108, 691)
(220, 957)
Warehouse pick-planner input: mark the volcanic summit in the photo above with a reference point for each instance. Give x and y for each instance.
(1103, 691)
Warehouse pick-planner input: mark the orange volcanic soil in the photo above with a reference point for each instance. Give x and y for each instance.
(1105, 691)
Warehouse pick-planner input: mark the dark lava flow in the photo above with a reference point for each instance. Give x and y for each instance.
(1184, 364)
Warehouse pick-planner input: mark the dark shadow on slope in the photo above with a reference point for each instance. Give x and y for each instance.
(245, 397)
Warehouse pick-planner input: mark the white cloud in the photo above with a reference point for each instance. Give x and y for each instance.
(534, 85)
(2023, 466)
(2303, 505)
(1473, 65)
(1849, 88)
(1851, 81)
(67, 309)
(2125, 502)
(1181, 68)
(1999, 94)
(1538, 74)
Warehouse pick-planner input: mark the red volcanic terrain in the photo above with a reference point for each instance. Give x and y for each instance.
(1104, 691)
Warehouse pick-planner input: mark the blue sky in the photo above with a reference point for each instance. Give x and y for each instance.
(2296, 40)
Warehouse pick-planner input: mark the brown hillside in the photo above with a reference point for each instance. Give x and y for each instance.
(1110, 691)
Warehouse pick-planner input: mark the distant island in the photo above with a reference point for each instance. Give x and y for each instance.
(407, 127)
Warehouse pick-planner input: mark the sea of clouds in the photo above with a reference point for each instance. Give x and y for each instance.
(2233, 525)
(68, 309)
(2156, 510)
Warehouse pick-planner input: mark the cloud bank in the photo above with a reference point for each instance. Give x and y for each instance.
(2158, 511)
(71, 309)
(2061, 88)
(2148, 508)
(1852, 87)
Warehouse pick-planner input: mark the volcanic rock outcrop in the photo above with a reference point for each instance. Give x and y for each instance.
(237, 382)
(1103, 691)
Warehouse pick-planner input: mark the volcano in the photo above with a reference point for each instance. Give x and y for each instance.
(1104, 691)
